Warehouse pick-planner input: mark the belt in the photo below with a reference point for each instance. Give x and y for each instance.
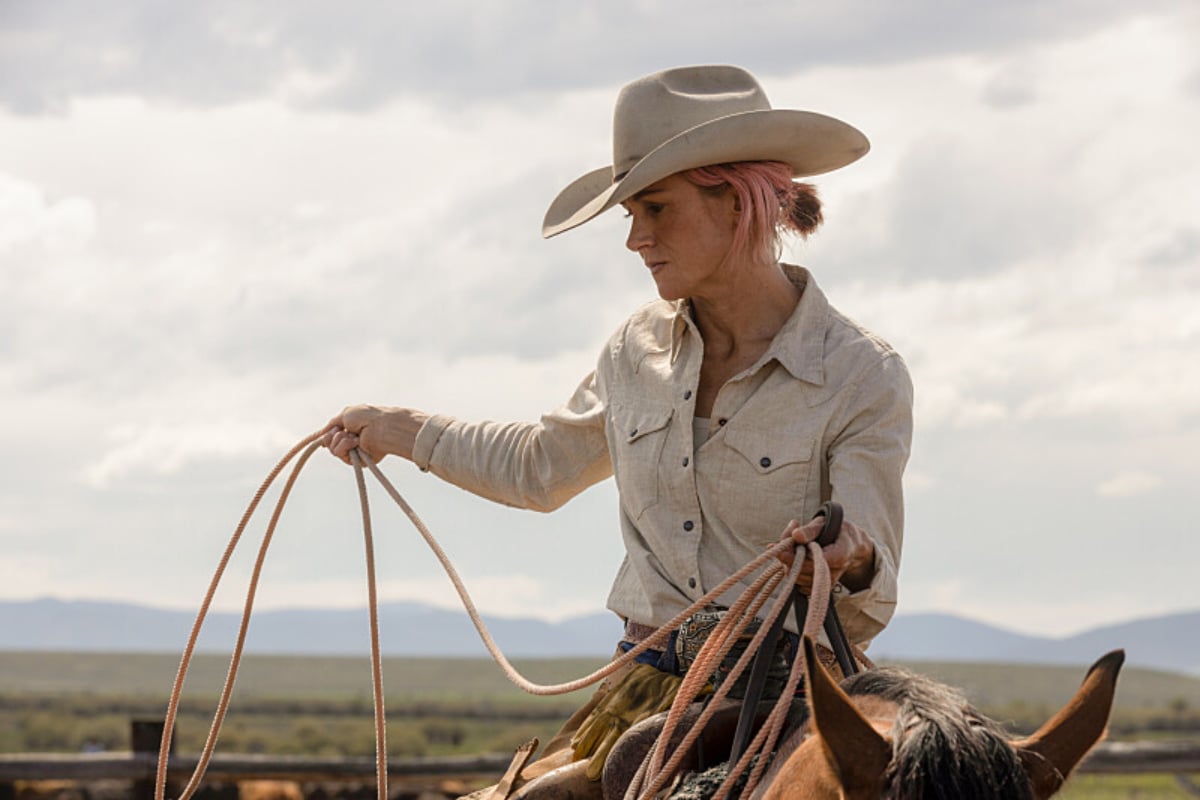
(636, 632)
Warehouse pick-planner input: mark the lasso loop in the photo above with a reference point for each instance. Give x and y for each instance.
(654, 773)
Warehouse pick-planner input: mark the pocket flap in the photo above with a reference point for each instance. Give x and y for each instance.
(766, 450)
(634, 423)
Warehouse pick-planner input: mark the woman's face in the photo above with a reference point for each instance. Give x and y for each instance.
(683, 234)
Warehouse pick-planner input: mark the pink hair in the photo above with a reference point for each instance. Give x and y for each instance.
(771, 204)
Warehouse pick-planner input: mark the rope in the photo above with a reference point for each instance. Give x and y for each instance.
(223, 704)
(768, 557)
(381, 775)
(718, 645)
(737, 618)
(764, 742)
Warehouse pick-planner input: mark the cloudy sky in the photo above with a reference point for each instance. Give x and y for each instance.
(220, 222)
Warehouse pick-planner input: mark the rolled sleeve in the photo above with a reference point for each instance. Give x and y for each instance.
(427, 439)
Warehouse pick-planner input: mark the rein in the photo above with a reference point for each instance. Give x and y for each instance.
(654, 774)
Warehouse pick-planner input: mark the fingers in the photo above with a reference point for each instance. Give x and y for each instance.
(839, 556)
(342, 433)
(800, 534)
(340, 443)
(803, 534)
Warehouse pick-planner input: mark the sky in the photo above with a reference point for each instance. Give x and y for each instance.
(221, 222)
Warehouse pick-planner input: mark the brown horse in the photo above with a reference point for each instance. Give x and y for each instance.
(887, 734)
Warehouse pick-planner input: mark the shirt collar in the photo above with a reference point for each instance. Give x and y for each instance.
(681, 324)
(800, 344)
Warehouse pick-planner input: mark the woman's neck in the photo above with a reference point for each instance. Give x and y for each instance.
(747, 311)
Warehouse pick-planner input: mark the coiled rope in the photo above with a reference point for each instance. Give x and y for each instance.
(653, 773)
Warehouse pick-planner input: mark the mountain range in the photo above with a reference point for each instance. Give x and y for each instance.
(1169, 642)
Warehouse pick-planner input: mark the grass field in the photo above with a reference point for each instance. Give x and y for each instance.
(297, 677)
(469, 680)
(64, 702)
(1123, 787)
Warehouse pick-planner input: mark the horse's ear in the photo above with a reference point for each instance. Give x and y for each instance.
(1058, 746)
(855, 751)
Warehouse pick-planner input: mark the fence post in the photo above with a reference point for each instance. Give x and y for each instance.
(146, 737)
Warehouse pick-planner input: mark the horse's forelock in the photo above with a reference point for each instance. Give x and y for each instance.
(942, 747)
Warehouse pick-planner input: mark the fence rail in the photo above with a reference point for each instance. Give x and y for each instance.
(1135, 757)
(143, 766)
(1108, 757)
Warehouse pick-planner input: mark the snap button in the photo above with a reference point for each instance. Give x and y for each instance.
(764, 462)
(688, 525)
(722, 421)
(633, 432)
(685, 461)
(687, 395)
(691, 583)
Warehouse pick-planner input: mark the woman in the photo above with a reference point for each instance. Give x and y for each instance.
(736, 404)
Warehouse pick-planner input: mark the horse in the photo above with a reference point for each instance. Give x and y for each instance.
(884, 734)
(890, 734)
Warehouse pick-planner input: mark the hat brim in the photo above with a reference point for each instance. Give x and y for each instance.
(811, 143)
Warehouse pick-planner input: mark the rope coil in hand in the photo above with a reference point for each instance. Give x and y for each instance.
(655, 771)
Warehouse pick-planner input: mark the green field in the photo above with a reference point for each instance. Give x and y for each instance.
(1123, 787)
(298, 677)
(65, 702)
(468, 682)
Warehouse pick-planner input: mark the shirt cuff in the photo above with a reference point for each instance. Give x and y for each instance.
(865, 613)
(427, 439)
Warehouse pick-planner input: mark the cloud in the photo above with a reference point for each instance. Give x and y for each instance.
(26, 576)
(1129, 484)
(1036, 615)
(918, 481)
(161, 450)
(507, 595)
(1056, 285)
(319, 55)
(203, 263)
(29, 218)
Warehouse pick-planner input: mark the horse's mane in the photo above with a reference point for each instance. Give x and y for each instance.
(942, 747)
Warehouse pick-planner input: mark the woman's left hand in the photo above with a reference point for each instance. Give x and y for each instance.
(851, 558)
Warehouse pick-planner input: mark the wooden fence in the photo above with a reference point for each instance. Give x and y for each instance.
(140, 768)
(1108, 757)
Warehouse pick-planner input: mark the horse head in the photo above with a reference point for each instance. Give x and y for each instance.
(887, 734)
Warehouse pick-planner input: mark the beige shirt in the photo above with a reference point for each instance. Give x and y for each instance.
(825, 413)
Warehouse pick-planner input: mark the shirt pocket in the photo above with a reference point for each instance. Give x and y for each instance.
(767, 475)
(639, 435)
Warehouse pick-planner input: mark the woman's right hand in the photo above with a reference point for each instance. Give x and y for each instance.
(377, 431)
(851, 558)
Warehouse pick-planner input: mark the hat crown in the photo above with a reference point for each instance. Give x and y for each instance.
(658, 107)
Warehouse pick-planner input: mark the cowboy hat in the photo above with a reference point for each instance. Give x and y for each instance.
(690, 117)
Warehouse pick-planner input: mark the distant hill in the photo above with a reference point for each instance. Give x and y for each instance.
(408, 629)
(1170, 642)
(945, 637)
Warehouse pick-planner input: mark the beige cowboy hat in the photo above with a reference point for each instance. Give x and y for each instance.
(690, 117)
